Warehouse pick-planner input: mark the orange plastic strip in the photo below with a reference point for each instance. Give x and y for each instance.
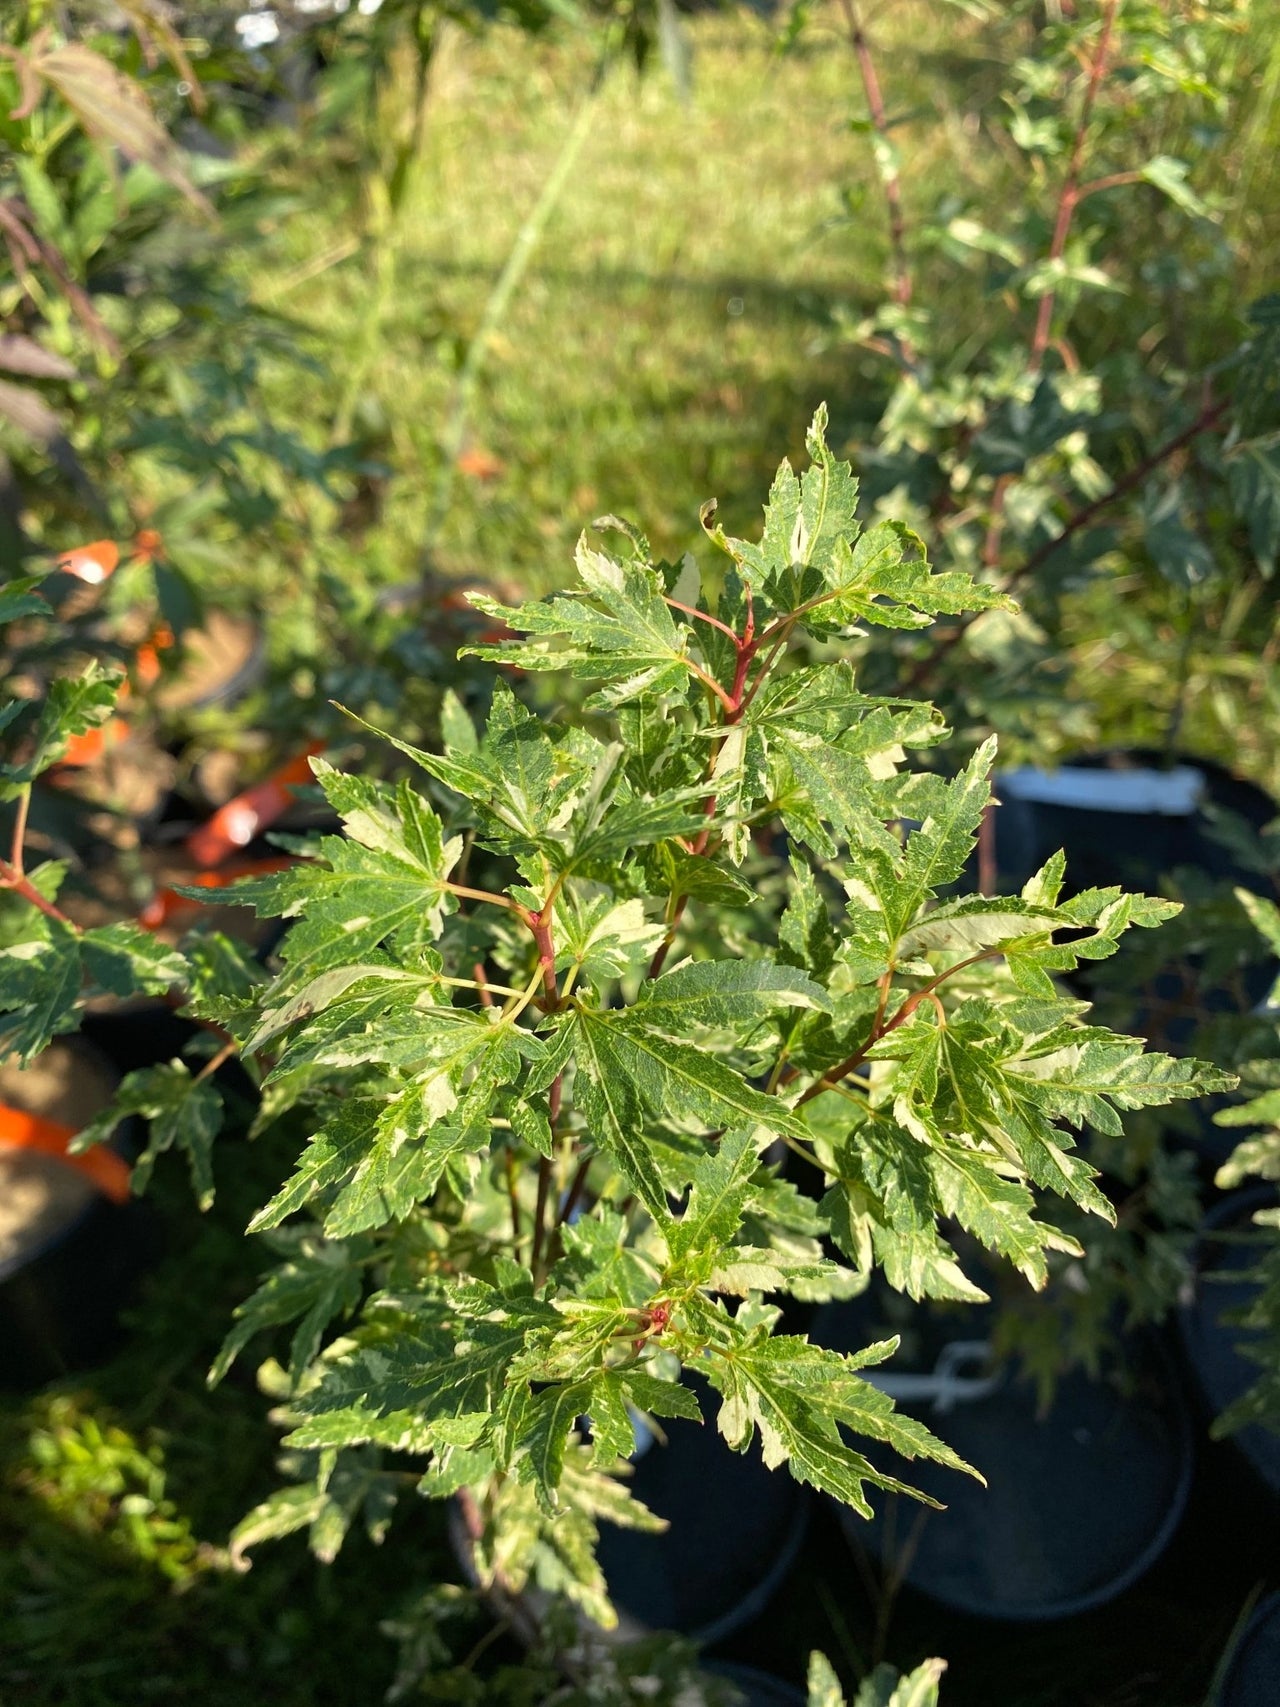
(146, 660)
(92, 562)
(88, 748)
(109, 1172)
(240, 820)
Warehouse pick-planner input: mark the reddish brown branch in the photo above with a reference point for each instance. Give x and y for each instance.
(881, 1030)
(13, 871)
(218, 1059)
(16, 864)
(1112, 181)
(10, 878)
(540, 924)
(576, 1190)
(900, 266)
(1070, 193)
(513, 1197)
(735, 702)
(539, 1211)
(1209, 417)
(987, 851)
(1068, 198)
(702, 616)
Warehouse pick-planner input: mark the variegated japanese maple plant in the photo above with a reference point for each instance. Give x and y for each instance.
(553, 1014)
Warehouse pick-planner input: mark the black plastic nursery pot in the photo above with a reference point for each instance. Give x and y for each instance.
(1211, 1341)
(1252, 1677)
(1122, 817)
(73, 1242)
(736, 1529)
(758, 1688)
(1081, 1501)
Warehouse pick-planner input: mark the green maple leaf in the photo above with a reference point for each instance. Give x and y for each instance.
(322, 1280)
(18, 598)
(804, 520)
(388, 878)
(885, 578)
(799, 1396)
(41, 981)
(733, 995)
(619, 630)
(71, 705)
(718, 1198)
(182, 1112)
(330, 1157)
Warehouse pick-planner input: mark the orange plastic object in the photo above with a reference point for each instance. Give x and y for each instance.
(480, 464)
(242, 818)
(88, 748)
(91, 563)
(146, 660)
(165, 904)
(109, 1172)
(147, 545)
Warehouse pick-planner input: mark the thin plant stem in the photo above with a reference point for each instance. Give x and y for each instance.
(736, 703)
(494, 900)
(1112, 181)
(576, 1189)
(216, 1060)
(1208, 418)
(664, 947)
(20, 831)
(540, 1212)
(22, 885)
(496, 307)
(702, 616)
(900, 266)
(482, 986)
(709, 681)
(516, 1007)
(1069, 194)
(778, 1067)
(830, 1080)
(1068, 200)
(513, 1197)
(987, 850)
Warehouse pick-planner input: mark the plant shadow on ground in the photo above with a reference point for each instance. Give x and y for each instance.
(675, 327)
(681, 430)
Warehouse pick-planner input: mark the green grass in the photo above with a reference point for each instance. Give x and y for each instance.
(674, 331)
